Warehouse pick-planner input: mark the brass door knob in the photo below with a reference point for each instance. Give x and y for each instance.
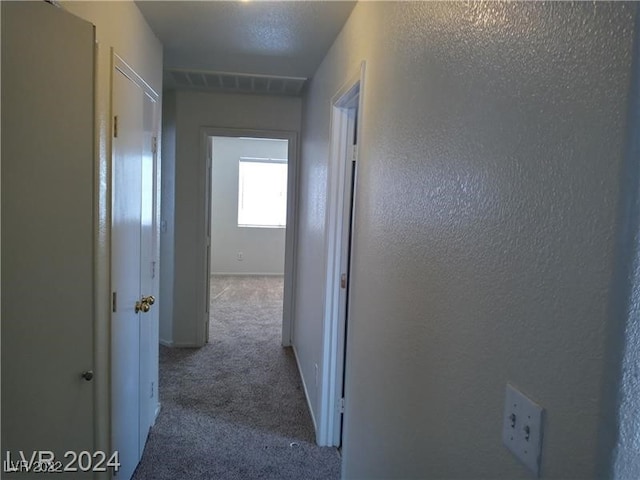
(144, 305)
(150, 299)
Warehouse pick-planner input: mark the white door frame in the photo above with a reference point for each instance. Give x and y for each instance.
(291, 230)
(345, 104)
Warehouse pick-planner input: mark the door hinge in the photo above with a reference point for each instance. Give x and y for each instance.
(354, 153)
(114, 302)
(343, 280)
(154, 145)
(341, 405)
(153, 269)
(115, 126)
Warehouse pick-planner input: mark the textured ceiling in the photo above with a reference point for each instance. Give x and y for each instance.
(276, 38)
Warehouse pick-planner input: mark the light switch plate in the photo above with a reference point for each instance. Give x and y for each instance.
(522, 428)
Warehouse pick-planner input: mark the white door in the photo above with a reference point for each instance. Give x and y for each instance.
(149, 274)
(134, 266)
(125, 272)
(47, 230)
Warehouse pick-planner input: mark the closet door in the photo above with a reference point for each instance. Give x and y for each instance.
(47, 230)
(134, 321)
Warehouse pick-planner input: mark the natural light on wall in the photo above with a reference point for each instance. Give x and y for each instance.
(262, 193)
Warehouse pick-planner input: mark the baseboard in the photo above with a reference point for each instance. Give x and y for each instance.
(158, 408)
(185, 345)
(306, 392)
(165, 343)
(248, 274)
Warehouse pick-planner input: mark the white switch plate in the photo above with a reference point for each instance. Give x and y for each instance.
(522, 428)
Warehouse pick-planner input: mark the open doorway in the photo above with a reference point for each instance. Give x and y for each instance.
(250, 216)
(248, 224)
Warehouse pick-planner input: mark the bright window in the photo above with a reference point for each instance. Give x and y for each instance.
(262, 193)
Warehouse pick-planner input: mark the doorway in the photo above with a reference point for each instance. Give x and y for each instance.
(250, 214)
(248, 220)
(345, 121)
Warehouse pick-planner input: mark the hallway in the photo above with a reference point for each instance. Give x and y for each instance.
(235, 409)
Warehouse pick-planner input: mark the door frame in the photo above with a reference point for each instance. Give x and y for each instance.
(291, 234)
(345, 105)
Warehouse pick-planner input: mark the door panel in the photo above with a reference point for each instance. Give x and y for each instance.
(47, 229)
(149, 335)
(125, 261)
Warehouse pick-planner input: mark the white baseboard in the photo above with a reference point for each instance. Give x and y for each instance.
(179, 345)
(306, 392)
(186, 345)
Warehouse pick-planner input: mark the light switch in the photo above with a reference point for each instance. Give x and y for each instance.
(522, 428)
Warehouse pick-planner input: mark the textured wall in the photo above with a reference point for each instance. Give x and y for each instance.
(262, 248)
(492, 141)
(193, 111)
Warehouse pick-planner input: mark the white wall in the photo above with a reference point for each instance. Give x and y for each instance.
(262, 248)
(186, 217)
(168, 167)
(492, 141)
(121, 26)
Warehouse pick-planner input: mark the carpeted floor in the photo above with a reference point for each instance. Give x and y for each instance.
(235, 409)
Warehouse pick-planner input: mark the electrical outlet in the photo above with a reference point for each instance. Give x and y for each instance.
(240, 256)
(522, 428)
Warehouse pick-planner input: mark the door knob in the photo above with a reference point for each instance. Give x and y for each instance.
(150, 299)
(144, 305)
(87, 375)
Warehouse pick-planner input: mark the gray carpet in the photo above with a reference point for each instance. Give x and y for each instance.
(235, 409)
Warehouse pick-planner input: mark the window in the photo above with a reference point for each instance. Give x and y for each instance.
(262, 193)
